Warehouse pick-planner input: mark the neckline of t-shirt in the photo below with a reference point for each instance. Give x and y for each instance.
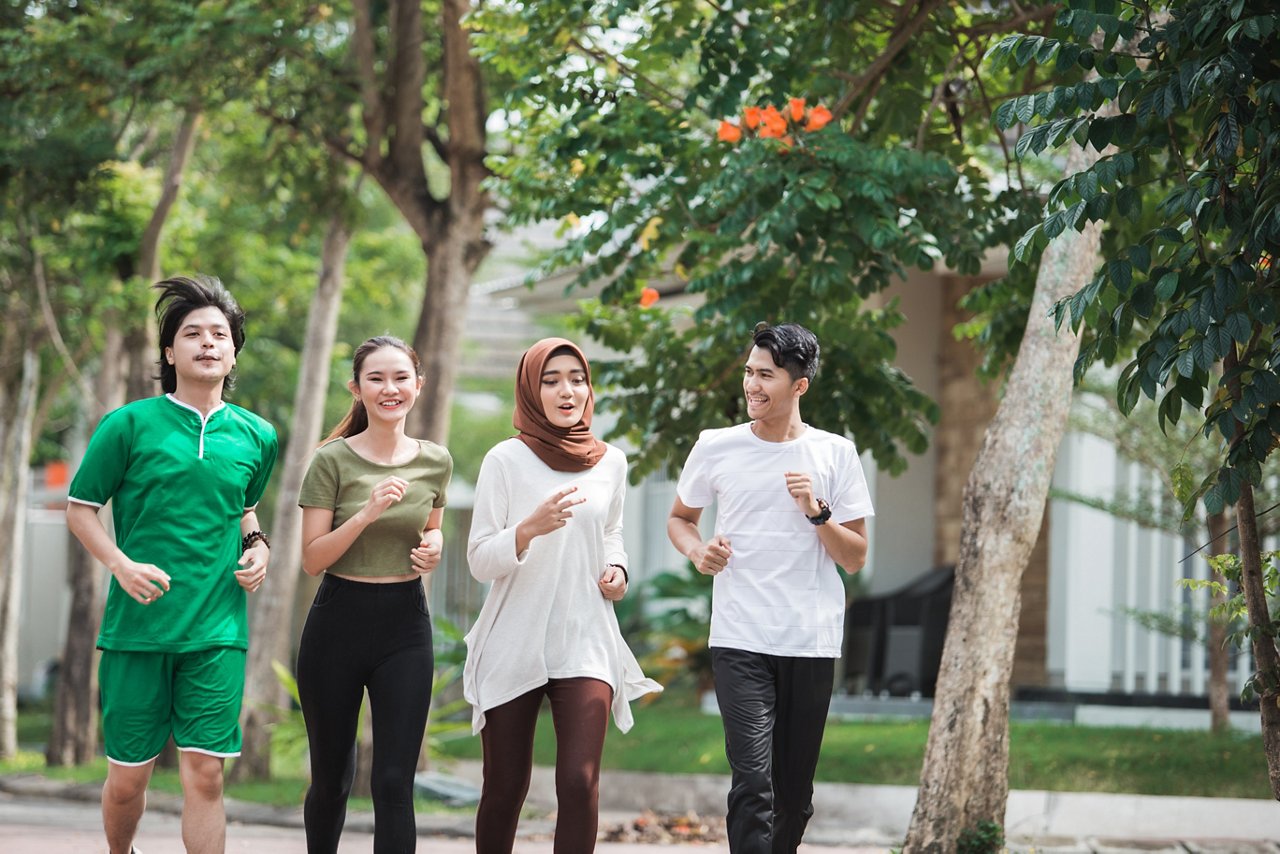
(203, 417)
(362, 458)
(767, 443)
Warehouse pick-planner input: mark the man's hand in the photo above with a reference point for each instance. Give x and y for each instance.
(800, 486)
(254, 562)
(144, 582)
(711, 557)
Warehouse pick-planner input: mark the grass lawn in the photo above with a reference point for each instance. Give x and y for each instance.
(672, 735)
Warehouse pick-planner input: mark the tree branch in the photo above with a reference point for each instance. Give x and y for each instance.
(373, 114)
(902, 36)
(51, 326)
(408, 75)
(655, 90)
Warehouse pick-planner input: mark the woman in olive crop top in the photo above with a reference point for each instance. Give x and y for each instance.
(372, 503)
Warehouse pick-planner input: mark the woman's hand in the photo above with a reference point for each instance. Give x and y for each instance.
(426, 557)
(551, 515)
(383, 495)
(613, 582)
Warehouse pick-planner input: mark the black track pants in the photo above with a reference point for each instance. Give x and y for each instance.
(774, 710)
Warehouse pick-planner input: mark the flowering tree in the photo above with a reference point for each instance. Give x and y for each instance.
(844, 156)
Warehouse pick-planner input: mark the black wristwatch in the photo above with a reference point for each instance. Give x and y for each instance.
(824, 513)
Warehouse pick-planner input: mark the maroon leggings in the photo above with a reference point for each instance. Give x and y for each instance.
(580, 712)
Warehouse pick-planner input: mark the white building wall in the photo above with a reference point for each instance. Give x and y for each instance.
(1104, 571)
(902, 543)
(46, 600)
(1082, 562)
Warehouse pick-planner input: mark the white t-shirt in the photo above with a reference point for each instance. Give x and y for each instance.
(780, 593)
(544, 616)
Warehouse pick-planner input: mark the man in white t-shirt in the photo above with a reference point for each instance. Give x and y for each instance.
(792, 503)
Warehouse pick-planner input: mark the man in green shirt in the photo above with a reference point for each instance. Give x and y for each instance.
(183, 472)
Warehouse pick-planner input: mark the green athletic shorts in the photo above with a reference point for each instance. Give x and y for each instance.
(148, 696)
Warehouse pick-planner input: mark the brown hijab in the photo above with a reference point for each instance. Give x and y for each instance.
(574, 449)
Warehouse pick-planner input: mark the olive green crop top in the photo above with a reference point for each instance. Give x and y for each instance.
(341, 480)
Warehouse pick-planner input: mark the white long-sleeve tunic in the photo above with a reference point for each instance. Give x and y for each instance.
(544, 617)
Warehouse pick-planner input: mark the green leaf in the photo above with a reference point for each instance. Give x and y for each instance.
(1054, 225)
(1121, 274)
(1129, 202)
(1004, 115)
(1026, 243)
(1184, 481)
(1167, 286)
(1185, 363)
(1238, 327)
(1140, 257)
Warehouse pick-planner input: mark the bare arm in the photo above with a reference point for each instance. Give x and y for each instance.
(322, 544)
(846, 542)
(254, 561)
(708, 557)
(426, 557)
(143, 581)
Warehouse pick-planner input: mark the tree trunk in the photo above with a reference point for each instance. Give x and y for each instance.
(141, 337)
(451, 231)
(273, 610)
(965, 778)
(438, 339)
(1266, 658)
(13, 522)
(1219, 655)
(75, 719)
(462, 246)
(74, 739)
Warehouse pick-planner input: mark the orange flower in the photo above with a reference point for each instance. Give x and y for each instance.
(787, 141)
(648, 297)
(819, 116)
(729, 132)
(751, 117)
(797, 109)
(774, 124)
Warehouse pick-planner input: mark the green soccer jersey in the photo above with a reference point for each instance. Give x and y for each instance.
(179, 484)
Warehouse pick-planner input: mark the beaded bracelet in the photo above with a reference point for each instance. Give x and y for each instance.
(250, 537)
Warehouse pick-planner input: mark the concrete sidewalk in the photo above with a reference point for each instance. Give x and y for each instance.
(848, 818)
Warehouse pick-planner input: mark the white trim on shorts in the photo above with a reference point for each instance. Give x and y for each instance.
(134, 764)
(209, 752)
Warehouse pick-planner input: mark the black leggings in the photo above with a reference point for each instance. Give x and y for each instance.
(364, 636)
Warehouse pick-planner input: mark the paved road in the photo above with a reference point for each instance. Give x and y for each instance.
(44, 817)
(41, 826)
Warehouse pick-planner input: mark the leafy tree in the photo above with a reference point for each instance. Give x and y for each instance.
(612, 117)
(395, 90)
(1195, 108)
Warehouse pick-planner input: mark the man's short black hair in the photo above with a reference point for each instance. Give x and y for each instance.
(794, 348)
(182, 295)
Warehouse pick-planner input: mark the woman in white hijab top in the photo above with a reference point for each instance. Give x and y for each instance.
(547, 532)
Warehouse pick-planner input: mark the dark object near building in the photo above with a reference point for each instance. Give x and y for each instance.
(893, 642)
